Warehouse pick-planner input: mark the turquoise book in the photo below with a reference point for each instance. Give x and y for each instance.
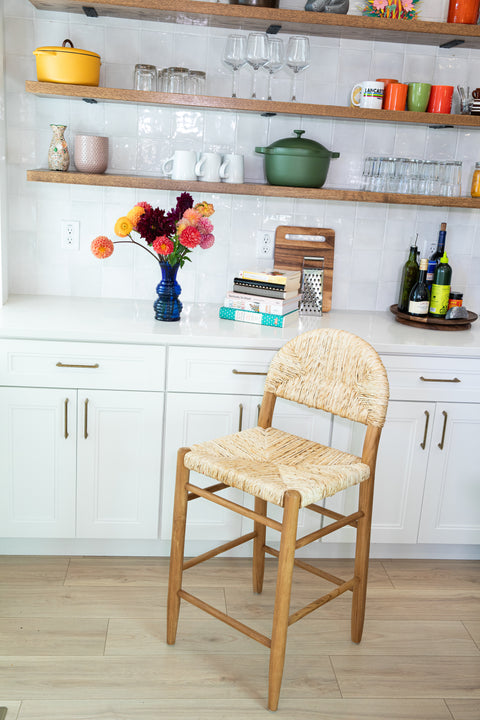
(258, 318)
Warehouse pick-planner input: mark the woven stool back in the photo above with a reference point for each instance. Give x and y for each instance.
(332, 370)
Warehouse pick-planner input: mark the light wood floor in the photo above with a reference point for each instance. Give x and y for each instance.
(83, 639)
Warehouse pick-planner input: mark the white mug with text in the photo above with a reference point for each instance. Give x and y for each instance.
(368, 94)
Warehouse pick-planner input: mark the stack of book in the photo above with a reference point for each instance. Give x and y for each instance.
(264, 298)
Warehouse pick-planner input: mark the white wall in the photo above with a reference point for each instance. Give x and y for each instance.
(372, 240)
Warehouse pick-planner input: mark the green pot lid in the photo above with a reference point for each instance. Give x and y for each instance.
(297, 146)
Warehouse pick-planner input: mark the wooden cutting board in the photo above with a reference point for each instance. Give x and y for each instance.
(292, 244)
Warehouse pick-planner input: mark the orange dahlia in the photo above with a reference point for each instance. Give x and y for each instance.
(204, 208)
(102, 247)
(123, 227)
(135, 214)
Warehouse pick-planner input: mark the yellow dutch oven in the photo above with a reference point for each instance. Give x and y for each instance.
(69, 65)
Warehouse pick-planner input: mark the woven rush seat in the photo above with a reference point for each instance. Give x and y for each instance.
(267, 462)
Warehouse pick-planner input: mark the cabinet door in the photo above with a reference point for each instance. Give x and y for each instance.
(400, 473)
(190, 419)
(451, 502)
(37, 462)
(119, 458)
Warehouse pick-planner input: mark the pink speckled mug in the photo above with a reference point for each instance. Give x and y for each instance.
(91, 153)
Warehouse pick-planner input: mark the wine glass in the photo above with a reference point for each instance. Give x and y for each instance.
(276, 60)
(298, 56)
(257, 55)
(234, 55)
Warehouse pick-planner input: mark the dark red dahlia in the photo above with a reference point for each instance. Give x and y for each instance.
(153, 223)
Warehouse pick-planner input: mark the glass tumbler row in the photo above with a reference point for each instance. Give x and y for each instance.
(408, 175)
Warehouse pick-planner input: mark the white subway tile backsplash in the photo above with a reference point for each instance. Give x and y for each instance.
(372, 240)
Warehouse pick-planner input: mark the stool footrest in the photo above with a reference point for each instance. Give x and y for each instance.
(211, 488)
(329, 513)
(245, 629)
(309, 568)
(321, 601)
(346, 520)
(218, 550)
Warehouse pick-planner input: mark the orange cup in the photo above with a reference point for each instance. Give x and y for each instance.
(440, 99)
(395, 96)
(385, 81)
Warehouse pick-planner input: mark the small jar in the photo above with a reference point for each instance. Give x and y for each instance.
(455, 300)
(145, 77)
(475, 192)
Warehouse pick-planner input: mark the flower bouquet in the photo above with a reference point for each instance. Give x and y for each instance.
(395, 9)
(172, 237)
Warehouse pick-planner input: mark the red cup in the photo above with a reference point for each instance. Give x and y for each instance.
(395, 96)
(440, 99)
(463, 11)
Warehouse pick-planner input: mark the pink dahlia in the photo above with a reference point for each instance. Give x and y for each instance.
(163, 245)
(190, 237)
(144, 205)
(102, 247)
(207, 241)
(192, 216)
(205, 226)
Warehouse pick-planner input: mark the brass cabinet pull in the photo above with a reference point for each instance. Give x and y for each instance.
(85, 420)
(60, 364)
(240, 416)
(427, 419)
(455, 379)
(247, 372)
(442, 441)
(65, 420)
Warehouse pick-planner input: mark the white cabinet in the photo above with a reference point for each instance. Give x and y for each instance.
(80, 461)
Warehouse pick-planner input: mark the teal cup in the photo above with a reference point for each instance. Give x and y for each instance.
(418, 96)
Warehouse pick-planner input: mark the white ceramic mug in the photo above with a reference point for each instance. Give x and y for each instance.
(368, 94)
(208, 167)
(231, 170)
(181, 166)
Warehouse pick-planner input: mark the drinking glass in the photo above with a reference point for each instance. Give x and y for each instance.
(298, 57)
(276, 60)
(257, 55)
(234, 56)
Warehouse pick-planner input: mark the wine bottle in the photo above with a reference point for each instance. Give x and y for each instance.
(409, 278)
(419, 299)
(434, 258)
(441, 288)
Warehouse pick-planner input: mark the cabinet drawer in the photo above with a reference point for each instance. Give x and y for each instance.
(217, 370)
(433, 378)
(35, 363)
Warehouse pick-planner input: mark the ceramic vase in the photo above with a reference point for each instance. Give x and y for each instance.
(167, 306)
(58, 156)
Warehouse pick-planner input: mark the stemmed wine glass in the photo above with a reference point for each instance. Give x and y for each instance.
(234, 55)
(257, 55)
(276, 60)
(298, 56)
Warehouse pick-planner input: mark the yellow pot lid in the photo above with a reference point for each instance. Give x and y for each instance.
(60, 49)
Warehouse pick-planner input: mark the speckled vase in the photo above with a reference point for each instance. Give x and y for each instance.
(58, 155)
(167, 306)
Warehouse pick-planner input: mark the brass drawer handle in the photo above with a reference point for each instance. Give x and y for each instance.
(240, 416)
(247, 372)
(85, 420)
(65, 420)
(427, 419)
(442, 441)
(60, 364)
(455, 379)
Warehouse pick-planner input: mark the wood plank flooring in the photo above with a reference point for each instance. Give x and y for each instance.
(83, 638)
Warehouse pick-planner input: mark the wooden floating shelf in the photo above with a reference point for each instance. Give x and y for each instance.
(155, 183)
(207, 102)
(245, 17)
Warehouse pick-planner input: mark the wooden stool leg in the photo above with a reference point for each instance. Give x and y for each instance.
(177, 547)
(362, 551)
(258, 566)
(282, 596)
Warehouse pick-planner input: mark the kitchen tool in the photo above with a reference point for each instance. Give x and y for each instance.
(312, 286)
(69, 65)
(431, 323)
(91, 153)
(297, 162)
(293, 244)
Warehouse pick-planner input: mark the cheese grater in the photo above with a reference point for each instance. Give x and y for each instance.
(312, 286)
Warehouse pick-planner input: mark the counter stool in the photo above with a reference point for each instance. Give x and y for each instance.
(327, 369)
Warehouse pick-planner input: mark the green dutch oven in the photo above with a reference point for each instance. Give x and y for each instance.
(296, 161)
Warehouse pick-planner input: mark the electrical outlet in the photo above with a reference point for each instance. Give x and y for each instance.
(70, 234)
(265, 244)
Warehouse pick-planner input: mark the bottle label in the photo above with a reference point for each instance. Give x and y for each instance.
(431, 270)
(439, 299)
(418, 308)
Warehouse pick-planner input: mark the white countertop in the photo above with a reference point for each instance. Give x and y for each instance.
(43, 317)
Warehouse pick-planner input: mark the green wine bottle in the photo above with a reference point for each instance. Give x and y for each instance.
(420, 294)
(441, 288)
(410, 275)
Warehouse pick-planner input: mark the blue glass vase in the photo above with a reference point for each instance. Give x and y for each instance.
(167, 306)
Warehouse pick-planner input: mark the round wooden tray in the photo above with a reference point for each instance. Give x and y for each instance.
(430, 323)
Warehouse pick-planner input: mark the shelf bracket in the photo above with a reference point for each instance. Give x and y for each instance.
(92, 101)
(273, 29)
(452, 43)
(440, 127)
(268, 114)
(89, 11)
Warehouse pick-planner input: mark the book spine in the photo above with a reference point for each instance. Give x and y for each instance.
(262, 292)
(262, 277)
(259, 284)
(248, 316)
(256, 304)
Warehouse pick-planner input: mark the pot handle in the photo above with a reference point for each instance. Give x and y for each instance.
(64, 44)
(261, 149)
(334, 154)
